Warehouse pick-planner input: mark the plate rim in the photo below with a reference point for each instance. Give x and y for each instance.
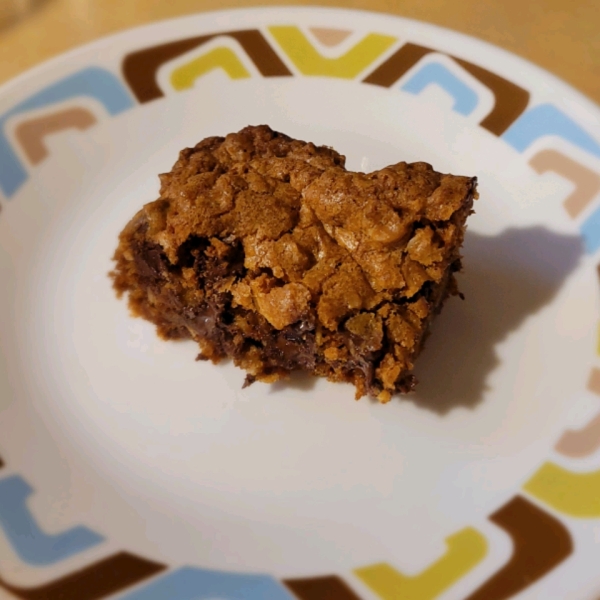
(61, 59)
(588, 103)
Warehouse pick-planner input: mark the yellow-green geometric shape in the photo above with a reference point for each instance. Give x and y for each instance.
(466, 549)
(575, 494)
(219, 58)
(310, 62)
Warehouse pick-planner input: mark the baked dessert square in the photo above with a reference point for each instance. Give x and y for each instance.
(266, 250)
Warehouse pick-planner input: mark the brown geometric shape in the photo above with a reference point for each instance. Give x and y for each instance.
(140, 67)
(30, 134)
(580, 443)
(583, 442)
(329, 37)
(100, 579)
(587, 182)
(510, 99)
(396, 65)
(540, 543)
(593, 384)
(328, 587)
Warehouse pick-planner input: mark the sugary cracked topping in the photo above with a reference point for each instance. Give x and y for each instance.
(311, 231)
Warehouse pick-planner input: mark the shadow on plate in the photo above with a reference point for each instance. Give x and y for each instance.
(298, 380)
(507, 278)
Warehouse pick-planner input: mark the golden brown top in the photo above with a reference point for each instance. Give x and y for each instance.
(313, 233)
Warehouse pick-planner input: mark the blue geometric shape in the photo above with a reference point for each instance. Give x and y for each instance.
(465, 99)
(91, 81)
(199, 584)
(590, 231)
(31, 544)
(546, 119)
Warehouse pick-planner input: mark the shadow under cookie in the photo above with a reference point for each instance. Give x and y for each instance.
(506, 279)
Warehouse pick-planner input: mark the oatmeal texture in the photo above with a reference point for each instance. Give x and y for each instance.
(265, 249)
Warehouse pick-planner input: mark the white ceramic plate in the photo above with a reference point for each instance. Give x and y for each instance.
(131, 470)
